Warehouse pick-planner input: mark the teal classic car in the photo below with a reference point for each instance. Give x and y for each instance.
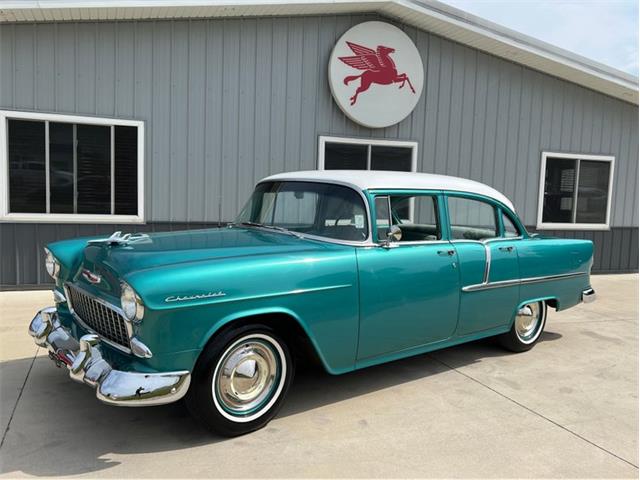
(350, 268)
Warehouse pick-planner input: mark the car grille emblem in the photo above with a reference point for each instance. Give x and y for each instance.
(91, 277)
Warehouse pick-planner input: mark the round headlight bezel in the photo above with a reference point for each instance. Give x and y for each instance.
(130, 303)
(51, 264)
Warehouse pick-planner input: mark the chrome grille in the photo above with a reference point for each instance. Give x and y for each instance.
(103, 320)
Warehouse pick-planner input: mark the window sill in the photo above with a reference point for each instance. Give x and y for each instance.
(69, 218)
(572, 226)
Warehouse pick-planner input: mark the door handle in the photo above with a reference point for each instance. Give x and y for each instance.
(446, 253)
(506, 249)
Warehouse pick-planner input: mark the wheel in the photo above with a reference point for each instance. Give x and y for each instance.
(241, 380)
(527, 327)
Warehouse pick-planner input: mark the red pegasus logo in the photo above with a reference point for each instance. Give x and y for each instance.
(379, 67)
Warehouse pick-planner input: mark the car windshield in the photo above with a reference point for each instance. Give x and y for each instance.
(320, 209)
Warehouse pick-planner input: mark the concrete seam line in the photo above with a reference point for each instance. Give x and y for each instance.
(6, 430)
(533, 411)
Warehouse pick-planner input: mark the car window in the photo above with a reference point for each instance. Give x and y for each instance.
(471, 219)
(416, 215)
(510, 229)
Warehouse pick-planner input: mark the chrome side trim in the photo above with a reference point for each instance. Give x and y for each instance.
(487, 264)
(519, 281)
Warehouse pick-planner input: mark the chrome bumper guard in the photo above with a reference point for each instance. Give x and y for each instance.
(84, 361)
(588, 295)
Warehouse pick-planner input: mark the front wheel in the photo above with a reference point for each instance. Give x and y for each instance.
(527, 327)
(241, 380)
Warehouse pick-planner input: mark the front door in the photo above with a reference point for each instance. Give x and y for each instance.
(409, 291)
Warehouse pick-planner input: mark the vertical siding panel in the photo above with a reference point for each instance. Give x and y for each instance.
(86, 68)
(311, 81)
(105, 69)
(278, 96)
(432, 94)
(480, 115)
(45, 68)
(533, 157)
(524, 174)
(262, 123)
(7, 65)
(491, 123)
(468, 112)
(419, 113)
(578, 119)
(24, 48)
(507, 185)
(453, 129)
(246, 136)
(125, 68)
(633, 261)
(179, 165)
(499, 161)
(143, 106)
(622, 170)
(214, 122)
(161, 146)
(293, 95)
(8, 254)
(557, 100)
(230, 92)
(444, 108)
(566, 124)
(196, 133)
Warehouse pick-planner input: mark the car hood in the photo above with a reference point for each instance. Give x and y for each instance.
(113, 262)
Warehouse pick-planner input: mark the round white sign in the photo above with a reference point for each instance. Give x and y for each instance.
(376, 74)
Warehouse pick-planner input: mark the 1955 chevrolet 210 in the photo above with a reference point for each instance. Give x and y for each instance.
(352, 268)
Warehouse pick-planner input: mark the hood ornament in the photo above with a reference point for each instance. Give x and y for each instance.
(117, 238)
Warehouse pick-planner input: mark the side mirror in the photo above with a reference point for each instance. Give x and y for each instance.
(393, 235)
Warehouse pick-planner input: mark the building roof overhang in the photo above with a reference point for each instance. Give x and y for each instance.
(428, 15)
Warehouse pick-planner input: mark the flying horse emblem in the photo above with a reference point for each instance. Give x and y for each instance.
(378, 65)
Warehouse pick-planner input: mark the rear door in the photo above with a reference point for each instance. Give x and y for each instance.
(489, 270)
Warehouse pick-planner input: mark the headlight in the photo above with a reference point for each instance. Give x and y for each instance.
(132, 306)
(52, 265)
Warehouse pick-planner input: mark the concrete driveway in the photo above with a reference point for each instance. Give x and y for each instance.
(568, 408)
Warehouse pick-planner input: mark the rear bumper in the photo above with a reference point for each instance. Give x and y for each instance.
(86, 365)
(588, 295)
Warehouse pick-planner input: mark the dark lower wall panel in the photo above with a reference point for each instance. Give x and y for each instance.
(22, 262)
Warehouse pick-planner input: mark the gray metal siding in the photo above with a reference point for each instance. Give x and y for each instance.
(229, 101)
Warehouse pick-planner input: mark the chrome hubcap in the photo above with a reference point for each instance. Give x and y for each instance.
(246, 377)
(527, 321)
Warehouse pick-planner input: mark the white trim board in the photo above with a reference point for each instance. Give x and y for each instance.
(6, 216)
(540, 225)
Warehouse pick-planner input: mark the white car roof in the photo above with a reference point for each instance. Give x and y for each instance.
(373, 180)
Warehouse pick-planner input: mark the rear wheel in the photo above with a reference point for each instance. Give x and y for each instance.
(241, 380)
(527, 327)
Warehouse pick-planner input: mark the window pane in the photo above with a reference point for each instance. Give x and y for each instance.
(94, 169)
(382, 216)
(319, 209)
(416, 216)
(126, 171)
(593, 190)
(510, 229)
(343, 156)
(27, 182)
(391, 158)
(471, 219)
(61, 167)
(559, 185)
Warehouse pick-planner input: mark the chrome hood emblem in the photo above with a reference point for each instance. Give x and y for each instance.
(117, 238)
(91, 277)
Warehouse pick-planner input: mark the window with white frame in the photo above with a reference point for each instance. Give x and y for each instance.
(62, 168)
(575, 191)
(338, 153)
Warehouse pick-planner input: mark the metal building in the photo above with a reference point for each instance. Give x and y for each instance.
(156, 115)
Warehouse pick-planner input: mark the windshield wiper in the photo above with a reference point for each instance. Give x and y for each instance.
(270, 227)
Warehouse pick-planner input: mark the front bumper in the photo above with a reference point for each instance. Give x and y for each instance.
(588, 295)
(86, 365)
